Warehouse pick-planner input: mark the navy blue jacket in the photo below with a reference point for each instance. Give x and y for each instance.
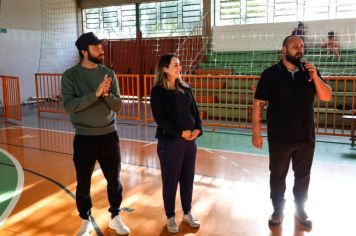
(164, 113)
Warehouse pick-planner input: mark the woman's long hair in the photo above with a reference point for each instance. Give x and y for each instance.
(161, 76)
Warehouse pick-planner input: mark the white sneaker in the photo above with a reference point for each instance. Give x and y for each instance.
(171, 225)
(85, 228)
(119, 226)
(191, 221)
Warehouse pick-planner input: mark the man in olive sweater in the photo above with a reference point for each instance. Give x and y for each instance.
(91, 96)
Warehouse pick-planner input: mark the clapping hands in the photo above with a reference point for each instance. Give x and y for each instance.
(104, 87)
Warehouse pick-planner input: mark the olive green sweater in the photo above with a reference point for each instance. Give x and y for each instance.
(89, 114)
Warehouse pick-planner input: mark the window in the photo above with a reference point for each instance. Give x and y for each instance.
(111, 22)
(228, 12)
(232, 12)
(285, 10)
(345, 8)
(169, 18)
(157, 19)
(256, 11)
(315, 10)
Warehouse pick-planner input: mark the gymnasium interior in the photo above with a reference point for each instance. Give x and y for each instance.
(223, 47)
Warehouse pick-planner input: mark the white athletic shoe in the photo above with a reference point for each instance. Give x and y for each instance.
(119, 226)
(85, 228)
(172, 225)
(191, 220)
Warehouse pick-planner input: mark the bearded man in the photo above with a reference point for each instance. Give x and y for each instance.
(91, 96)
(289, 88)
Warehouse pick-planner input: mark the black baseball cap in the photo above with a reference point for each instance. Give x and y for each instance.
(300, 24)
(87, 39)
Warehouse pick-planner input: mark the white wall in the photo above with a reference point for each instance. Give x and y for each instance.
(270, 36)
(39, 38)
(20, 46)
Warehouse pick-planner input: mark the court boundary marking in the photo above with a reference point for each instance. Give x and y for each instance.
(19, 187)
(147, 143)
(141, 141)
(61, 186)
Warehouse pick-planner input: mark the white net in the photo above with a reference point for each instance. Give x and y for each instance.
(59, 30)
(249, 49)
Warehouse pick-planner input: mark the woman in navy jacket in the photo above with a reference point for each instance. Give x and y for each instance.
(178, 125)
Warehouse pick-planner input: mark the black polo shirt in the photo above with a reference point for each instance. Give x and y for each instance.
(290, 111)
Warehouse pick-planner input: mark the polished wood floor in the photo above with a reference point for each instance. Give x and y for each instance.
(231, 192)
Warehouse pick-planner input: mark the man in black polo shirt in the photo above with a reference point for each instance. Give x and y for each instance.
(289, 88)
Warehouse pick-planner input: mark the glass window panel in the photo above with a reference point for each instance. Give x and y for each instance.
(191, 19)
(93, 16)
(93, 26)
(171, 18)
(110, 14)
(195, 7)
(111, 25)
(169, 10)
(93, 21)
(191, 13)
(169, 21)
(168, 15)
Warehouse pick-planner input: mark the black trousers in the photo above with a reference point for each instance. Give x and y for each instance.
(177, 159)
(301, 155)
(104, 149)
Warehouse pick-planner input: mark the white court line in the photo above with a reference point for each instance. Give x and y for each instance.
(234, 163)
(206, 149)
(222, 157)
(211, 150)
(18, 190)
(148, 144)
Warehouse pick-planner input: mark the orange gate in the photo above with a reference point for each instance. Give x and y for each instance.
(226, 101)
(11, 102)
(48, 93)
(49, 99)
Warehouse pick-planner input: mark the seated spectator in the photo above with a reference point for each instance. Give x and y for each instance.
(332, 45)
(299, 31)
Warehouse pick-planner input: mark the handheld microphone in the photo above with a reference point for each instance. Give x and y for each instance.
(301, 68)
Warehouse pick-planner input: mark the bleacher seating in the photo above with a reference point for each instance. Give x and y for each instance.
(254, 62)
(234, 101)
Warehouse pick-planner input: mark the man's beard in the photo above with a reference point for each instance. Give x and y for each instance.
(295, 60)
(95, 60)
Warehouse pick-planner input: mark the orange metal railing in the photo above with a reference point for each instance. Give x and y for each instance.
(148, 83)
(328, 114)
(226, 101)
(130, 94)
(48, 94)
(219, 103)
(11, 102)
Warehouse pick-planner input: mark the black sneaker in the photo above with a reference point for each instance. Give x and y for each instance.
(276, 218)
(303, 219)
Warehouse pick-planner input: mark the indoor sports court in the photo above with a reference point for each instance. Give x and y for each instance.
(223, 47)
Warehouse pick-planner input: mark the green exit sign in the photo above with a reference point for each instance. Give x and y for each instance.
(3, 30)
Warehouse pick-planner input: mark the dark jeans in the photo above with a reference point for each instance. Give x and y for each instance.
(104, 149)
(281, 154)
(177, 159)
